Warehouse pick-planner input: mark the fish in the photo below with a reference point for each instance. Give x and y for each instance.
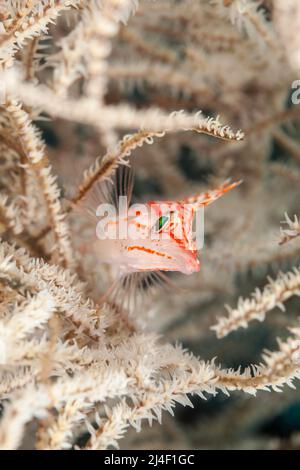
(141, 242)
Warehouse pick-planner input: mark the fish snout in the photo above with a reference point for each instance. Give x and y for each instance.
(191, 265)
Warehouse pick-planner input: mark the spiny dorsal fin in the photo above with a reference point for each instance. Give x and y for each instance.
(108, 191)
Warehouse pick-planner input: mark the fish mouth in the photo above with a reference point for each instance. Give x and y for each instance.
(191, 265)
(193, 269)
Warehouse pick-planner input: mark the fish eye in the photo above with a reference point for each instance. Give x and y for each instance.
(161, 222)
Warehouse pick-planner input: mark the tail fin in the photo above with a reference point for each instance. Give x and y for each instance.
(206, 198)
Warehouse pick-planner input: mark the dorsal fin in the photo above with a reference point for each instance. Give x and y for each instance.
(108, 191)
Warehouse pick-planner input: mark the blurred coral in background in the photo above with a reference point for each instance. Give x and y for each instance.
(86, 87)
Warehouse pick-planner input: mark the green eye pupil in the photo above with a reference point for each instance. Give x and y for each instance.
(162, 221)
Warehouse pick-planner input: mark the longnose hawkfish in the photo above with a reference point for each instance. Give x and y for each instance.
(141, 242)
